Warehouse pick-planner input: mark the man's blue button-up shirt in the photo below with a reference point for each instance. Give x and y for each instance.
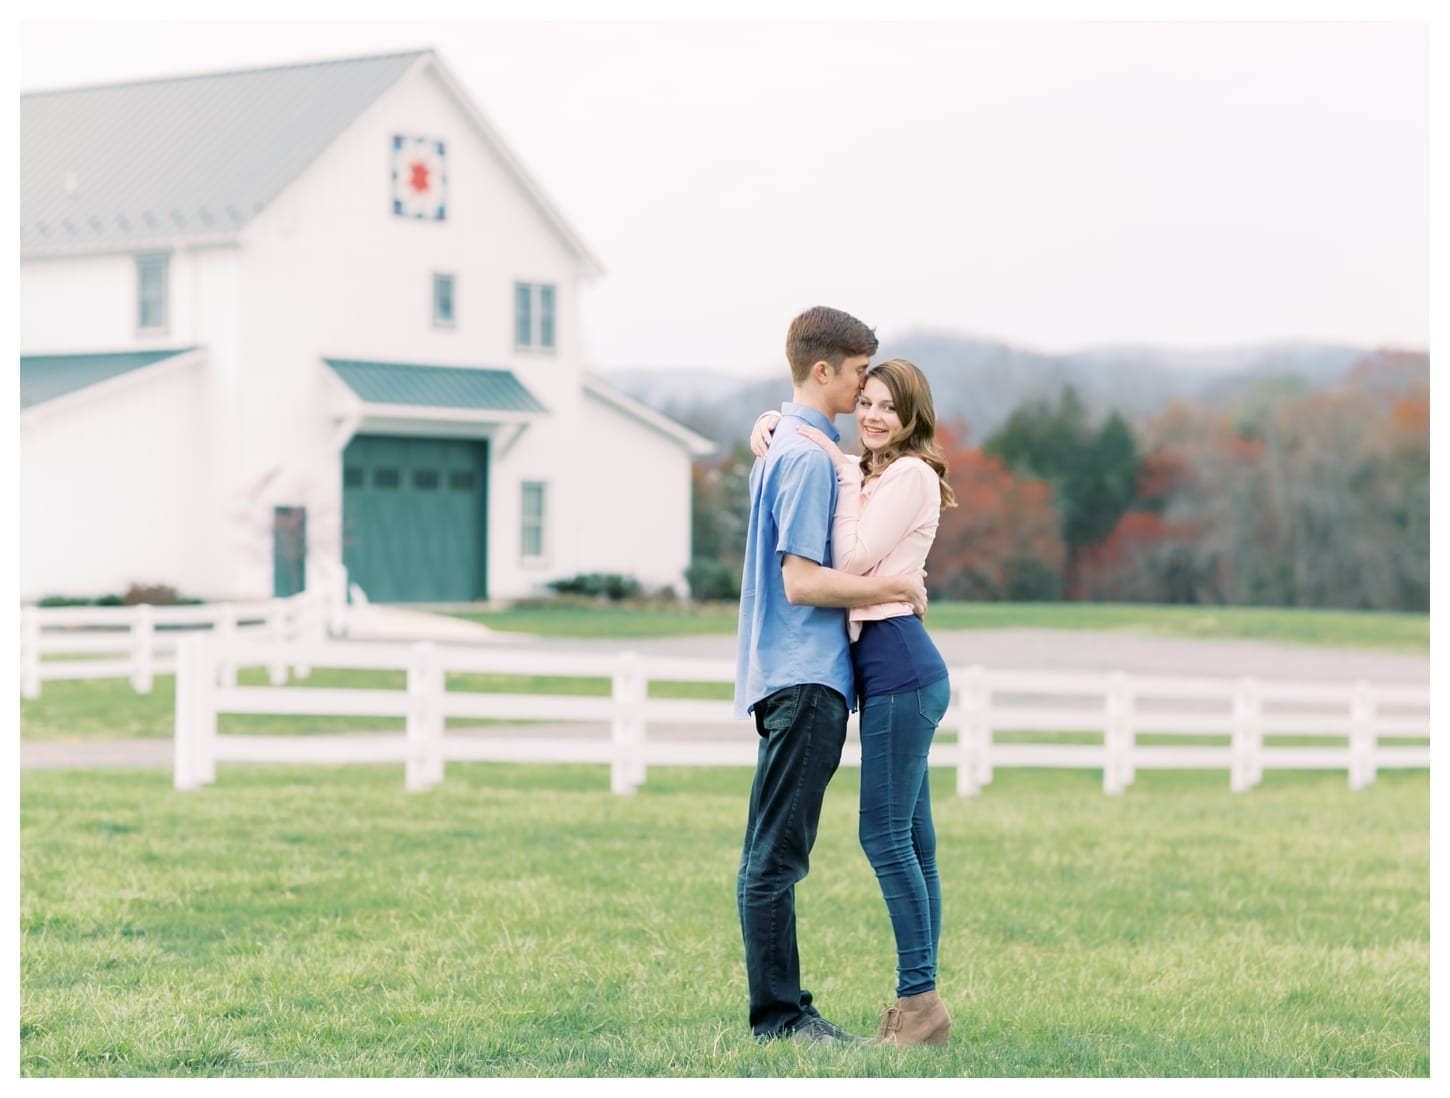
(792, 501)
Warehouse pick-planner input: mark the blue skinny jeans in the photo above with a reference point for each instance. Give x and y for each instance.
(896, 828)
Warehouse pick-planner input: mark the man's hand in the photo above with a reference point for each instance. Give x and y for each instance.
(914, 592)
(764, 429)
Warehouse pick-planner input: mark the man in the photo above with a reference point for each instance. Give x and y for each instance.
(794, 663)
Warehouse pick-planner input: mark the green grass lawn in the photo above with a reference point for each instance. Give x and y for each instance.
(521, 921)
(1354, 629)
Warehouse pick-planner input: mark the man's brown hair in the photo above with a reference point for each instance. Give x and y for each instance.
(825, 334)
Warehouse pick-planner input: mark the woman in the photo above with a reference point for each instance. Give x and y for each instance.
(886, 518)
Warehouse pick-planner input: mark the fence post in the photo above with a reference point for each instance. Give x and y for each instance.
(183, 765)
(1129, 773)
(29, 652)
(143, 635)
(1361, 736)
(424, 725)
(305, 632)
(226, 633)
(627, 770)
(275, 623)
(194, 743)
(1117, 736)
(973, 738)
(639, 694)
(204, 696)
(1247, 740)
(336, 596)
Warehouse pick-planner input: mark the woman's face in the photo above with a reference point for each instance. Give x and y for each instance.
(876, 417)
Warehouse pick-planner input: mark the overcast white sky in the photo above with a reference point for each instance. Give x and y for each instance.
(1055, 185)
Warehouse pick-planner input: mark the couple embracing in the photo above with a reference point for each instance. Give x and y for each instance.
(831, 603)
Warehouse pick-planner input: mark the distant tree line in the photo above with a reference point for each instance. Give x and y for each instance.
(1283, 498)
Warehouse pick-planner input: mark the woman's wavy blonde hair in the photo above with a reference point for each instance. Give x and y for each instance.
(912, 396)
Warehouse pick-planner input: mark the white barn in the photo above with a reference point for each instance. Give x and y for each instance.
(278, 320)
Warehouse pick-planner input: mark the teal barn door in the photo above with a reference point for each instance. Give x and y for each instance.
(414, 517)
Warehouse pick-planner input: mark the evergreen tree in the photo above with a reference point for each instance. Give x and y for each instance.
(1093, 471)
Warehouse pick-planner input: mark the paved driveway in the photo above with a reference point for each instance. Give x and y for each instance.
(1075, 650)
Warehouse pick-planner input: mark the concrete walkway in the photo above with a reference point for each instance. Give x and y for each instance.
(394, 623)
(1077, 650)
(96, 754)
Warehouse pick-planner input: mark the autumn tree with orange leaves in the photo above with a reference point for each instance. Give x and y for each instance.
(1313, 499)
(1003, 539)
(1287, 498)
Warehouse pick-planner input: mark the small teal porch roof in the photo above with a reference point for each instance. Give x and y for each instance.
(45, 377)
(400, 383)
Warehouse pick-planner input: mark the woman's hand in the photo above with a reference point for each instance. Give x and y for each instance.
(821, 439)
(761, 435)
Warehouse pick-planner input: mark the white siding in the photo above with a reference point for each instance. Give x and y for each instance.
(88, 303)
(152, 434)
(108, 497)
(328, 271)
(630, 511)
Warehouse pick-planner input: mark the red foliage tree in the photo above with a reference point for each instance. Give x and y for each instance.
(1002, 540)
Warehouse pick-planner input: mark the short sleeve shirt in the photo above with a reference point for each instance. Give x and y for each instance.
(792, 500)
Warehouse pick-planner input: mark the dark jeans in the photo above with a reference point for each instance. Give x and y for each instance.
(896, 827)
(802, 730)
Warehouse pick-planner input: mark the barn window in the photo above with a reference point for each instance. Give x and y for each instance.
(152, 292)
(534, 315)
(443, 301)
(532, 525)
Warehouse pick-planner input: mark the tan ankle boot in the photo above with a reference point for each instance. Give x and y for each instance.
(915, 1020)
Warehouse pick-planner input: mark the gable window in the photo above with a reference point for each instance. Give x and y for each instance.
(534, 315)
(152, 292)
(443, 301)
(531, 539)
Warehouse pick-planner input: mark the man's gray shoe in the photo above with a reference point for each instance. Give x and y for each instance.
(815, 1030)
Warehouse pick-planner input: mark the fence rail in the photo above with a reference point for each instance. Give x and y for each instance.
(142, 641)
(1119, 707)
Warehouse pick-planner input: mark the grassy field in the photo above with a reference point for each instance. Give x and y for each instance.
(1353, 629)
(520, 921)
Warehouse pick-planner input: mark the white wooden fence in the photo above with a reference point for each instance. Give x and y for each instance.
(140, 642)
(645, 731)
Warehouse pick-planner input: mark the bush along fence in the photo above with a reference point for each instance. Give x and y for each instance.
(1129, 717)
(140, 642)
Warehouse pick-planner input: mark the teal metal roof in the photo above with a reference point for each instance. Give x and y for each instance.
(45, 377)
(182, 156)
(435, 386)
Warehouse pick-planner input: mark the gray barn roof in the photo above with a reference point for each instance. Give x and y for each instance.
(183, 156)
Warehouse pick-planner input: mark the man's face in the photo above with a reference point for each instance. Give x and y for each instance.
(843, 387)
